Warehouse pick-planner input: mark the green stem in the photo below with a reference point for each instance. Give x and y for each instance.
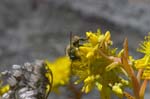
(105, 93)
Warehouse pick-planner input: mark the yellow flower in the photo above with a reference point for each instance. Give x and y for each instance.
(4, 89)
(93, 38)
(90, 82)
(61, 71)
(144, 63)
(146, 74)
(145, 46)
(117, 89)
(85, 50)
(97, 66)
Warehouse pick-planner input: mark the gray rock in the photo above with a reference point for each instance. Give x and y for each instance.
(16, 67)
(17, 73)
(6, 96)
(25, 84)
(12, 81)
(22, 90)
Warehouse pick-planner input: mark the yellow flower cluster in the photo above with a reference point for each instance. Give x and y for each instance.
(144, 63)
(98, 64)
(145, 45)
(61, 72)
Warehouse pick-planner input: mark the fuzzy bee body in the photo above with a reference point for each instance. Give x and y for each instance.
(73, 54)
(72, 49)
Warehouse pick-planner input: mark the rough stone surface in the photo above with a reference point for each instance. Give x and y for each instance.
(24, 84)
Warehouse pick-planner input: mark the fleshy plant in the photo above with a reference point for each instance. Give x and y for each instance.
(96, 64)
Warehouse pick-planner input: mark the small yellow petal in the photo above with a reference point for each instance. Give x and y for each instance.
(99, 86)
(93, 38)
(143, 62)
(87, 88)
(146, 74)
(107, 35)
(85, 50)
(116, 88)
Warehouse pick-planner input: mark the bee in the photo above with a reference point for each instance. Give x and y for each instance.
(72, 50)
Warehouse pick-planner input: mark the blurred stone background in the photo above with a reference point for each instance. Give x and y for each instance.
(39, 29)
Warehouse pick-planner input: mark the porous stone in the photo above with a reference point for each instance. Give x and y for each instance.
(25, 84)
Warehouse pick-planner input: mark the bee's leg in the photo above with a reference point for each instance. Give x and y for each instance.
(82, 39)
